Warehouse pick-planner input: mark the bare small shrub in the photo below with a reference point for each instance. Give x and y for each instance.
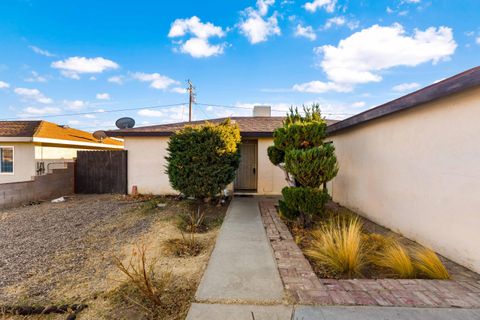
(142, 274)
(187, 246)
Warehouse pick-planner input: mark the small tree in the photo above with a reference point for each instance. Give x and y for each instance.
(308, 162)
(202, 160)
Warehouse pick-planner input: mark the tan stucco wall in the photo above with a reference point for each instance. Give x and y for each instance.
(271, 179)
(146, 167)
(23, 162)
(418, 173)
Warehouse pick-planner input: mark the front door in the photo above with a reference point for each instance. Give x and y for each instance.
(246, 179)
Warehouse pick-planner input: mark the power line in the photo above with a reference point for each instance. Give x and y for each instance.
(151, 107)
(277, 110)
(96, 112)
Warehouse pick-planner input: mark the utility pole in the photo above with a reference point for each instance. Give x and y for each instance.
(191, 100)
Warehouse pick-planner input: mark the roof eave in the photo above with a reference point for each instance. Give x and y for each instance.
(458, 83)
(169, 133)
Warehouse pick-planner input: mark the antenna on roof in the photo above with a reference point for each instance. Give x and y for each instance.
(99, 135)
(125, 123)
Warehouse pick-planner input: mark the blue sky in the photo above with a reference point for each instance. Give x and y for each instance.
(69, 57)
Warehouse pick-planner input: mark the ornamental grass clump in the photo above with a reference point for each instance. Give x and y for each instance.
(429, 265)
(395, 258)
(338, 246)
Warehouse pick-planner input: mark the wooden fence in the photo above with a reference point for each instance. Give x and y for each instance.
(101, 172)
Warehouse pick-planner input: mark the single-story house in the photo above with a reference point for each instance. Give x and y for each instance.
(32, 148)
(147, 148)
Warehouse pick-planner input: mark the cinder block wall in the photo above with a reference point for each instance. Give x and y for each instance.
(56, 184)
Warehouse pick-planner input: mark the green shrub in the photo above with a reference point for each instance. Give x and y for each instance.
(276, 155)
(202, 160)
(304, 202)
(308, 162)
(300, 135)
(312, 167)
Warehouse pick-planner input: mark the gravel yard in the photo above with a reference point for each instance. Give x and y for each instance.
(44, 246)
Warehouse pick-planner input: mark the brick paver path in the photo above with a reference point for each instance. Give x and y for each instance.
(305, 287)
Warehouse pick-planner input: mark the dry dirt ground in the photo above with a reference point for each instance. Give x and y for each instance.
(56, 253)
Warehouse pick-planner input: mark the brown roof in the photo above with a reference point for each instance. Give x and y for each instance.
(249, 127)
(458, 83)
(45, 129)
(18, 128)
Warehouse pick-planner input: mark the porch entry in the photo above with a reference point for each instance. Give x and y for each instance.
(246, 179)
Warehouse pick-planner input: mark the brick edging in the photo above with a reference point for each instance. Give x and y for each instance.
(306, 288)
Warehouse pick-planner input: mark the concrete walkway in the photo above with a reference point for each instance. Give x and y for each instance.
(280, 312)
(242, 279)
(242, 266)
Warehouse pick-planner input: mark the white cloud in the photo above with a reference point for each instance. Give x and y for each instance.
(412, 1)
(32, 111)
(477, 40)
(320, 87)
(103, 96)
(256, 26)
(306, 32)
(198, 46)
(313, 6)
(157, 81)
(194, 26)
(406, 87)
(341, 21)
(74, 104)
(150, 113)
(179, 90)
(33, 94)
(89, 116)
(73, 66)
(41, 51)
(116, 79)
(360, 57)
(389, 10)
(201, 48)
(358, 104)
(4, 85)
(74, 122)
(35, 77)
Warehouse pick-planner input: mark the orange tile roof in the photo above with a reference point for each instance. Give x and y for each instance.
(45, 129)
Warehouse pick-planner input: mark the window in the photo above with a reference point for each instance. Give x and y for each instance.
(6, 159)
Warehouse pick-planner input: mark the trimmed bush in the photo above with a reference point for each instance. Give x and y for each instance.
(308, 162)
(202, 160)
(303, 202)
(312, 167)
(276, 155)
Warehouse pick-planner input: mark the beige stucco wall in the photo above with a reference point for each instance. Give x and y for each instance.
(23, 162)
(271, 179)
(146, 167)
(418, 173)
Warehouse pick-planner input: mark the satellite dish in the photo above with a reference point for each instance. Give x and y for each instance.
(125, 123)
(99, 135)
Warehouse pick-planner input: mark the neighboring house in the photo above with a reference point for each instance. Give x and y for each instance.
(147, 148)
(32, 148)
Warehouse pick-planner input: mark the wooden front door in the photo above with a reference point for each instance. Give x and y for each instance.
(246, 179)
